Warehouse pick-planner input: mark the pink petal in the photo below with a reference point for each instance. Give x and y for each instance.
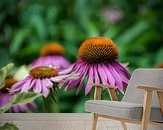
(116, 64)
(17, 87)
(45, 90)
(123, 77)
(48, 83)
(73, 83)
(32, 84)
(26, 86)
(96, 76)
(66, 71)
(90, 80)
(38, 86)
(83, 74)
(117, 77)
(110, 78)
(102, 74)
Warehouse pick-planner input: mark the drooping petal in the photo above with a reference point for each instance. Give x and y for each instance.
(116, 77)
(123, 77)
(66, 71)
(116, 64)
(48, 83)
(110, 78)
(32, 84)
(90, 80)
(73, 83)
(38, 86)
(96, 76)
(62, 77)
(102, 74)
(83, 75)
(45, 88)
(17, 87)
(26, 86)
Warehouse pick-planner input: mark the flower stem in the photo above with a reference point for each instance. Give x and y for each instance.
(51, 104)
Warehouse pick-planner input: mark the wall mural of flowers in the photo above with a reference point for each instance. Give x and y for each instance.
(67, 37)
(97, 61)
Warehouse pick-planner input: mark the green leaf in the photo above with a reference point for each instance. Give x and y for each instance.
(132, 33)
(5, 107)
(18, 40)
(8, 126)
(5, 72)
(21, 98)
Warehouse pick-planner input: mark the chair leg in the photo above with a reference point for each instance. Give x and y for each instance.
(124, 125)
(94, 122)
(146, 110)
(144, 126)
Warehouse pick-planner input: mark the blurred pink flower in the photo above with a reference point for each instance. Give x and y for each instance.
(51, 54)
(113, 15)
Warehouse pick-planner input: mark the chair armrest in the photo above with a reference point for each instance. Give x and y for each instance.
(103, 86)
(147, 88)
(148, 101)
(98, 91)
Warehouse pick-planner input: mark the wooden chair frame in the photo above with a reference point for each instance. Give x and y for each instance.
(146, 106)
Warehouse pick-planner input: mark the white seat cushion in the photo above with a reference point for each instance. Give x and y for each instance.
(125, 110)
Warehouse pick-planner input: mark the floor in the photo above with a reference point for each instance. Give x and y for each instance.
(59, 121)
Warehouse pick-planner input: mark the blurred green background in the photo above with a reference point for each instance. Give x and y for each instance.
(135, 26)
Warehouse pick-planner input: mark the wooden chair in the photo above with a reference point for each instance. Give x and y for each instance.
(141, 104)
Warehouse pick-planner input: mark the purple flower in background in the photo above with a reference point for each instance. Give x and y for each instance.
(113, 14)
(97, 62)
(5, 97)
(40, 80)
(52, 54)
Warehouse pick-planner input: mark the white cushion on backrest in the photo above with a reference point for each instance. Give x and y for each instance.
(143, 77)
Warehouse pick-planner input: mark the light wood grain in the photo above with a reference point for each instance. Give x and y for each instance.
(94, 122)
(160, 98)
(146, 109)
(150, 88)
(112, 94)
(56, 121)
(97, 93)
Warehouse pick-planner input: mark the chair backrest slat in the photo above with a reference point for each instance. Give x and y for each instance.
(143, 77)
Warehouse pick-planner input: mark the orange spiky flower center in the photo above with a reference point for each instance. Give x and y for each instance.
(97, 50)
(52, 49)
(43, 72)
(9, 81)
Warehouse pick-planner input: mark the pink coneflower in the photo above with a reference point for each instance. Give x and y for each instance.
(52, 54)
(97, 61)
(40, 80)
(5, 97)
